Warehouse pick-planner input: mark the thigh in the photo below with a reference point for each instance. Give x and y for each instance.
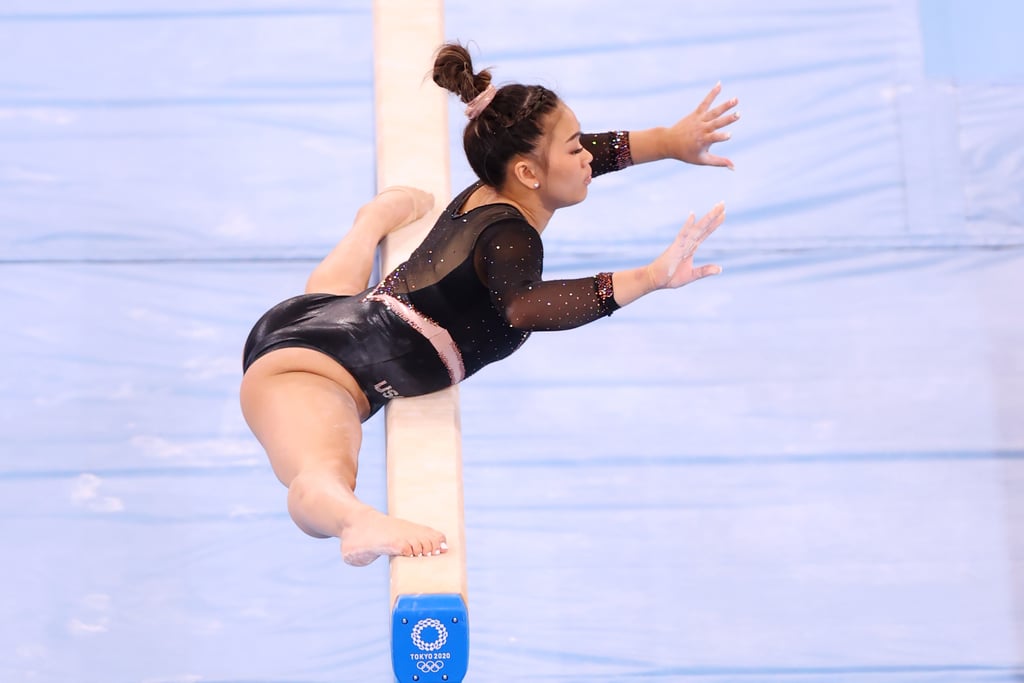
(303, 420)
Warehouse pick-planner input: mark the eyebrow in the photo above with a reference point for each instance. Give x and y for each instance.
(575, 135)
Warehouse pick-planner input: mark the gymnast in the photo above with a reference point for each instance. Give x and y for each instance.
(319, 364)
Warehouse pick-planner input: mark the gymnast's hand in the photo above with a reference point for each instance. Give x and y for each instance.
(674, 268)
(690, 139)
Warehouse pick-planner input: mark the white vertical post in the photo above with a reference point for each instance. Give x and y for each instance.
(424, 448)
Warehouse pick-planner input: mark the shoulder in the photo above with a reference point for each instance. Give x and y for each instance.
(473, 204)
(512, 234)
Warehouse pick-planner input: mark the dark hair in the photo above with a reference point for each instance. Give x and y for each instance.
(510, 125)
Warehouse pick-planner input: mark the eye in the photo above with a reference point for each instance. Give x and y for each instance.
(577, 150)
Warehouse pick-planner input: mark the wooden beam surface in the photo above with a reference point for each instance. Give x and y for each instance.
(424, 443)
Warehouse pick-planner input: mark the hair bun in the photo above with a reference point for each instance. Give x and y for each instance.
(453, 71)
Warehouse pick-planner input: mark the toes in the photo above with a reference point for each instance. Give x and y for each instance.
(422, 201)
(428, 546)
(440, 544)
(393, 538)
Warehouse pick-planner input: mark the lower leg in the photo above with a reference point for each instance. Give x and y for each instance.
(310, 427)
(348, 267)
(320, 502)
(324, 506)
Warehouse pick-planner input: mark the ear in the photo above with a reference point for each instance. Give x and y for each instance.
(524, 173)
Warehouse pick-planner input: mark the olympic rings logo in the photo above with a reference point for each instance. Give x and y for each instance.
(438, 643)
(430, 666)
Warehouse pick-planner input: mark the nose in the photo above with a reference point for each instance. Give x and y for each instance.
(587, 157)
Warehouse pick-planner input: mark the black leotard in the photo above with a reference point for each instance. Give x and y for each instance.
(469, 295)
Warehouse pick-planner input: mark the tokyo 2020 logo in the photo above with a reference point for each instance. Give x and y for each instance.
(432, 645)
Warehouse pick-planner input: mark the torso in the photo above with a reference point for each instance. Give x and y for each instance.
(429, 323)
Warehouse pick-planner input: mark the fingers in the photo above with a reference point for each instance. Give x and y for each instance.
(714, 218)
(717, 211)
(712, 160)
(712, 221)
(695, 234)
(706, 271)
(679, 256)
(709, 98)
(693, 228)
(685, 236)
(715, 120)
(711, 130)
(717, 112)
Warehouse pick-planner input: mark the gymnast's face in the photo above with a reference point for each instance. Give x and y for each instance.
(565, 175)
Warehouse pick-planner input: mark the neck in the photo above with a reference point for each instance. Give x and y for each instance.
(528, 202)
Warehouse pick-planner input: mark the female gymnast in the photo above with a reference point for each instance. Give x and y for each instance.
(317, 365)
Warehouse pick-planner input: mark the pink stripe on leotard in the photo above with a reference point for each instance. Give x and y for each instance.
(438, 337)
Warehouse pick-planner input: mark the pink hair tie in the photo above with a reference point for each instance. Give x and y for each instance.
(480, 102)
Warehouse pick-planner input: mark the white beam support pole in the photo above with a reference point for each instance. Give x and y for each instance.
(424, 443)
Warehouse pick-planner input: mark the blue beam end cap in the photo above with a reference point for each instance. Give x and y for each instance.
(430, 638)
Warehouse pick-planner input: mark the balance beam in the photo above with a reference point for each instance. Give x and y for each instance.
(429, 627)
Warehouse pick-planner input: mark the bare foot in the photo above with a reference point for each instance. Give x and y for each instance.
(404, 204)
(370, 534)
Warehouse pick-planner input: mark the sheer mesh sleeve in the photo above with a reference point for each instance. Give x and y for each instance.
(508, 259)
(610, 150)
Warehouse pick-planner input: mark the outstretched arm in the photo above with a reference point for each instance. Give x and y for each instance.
(674, 267)
(509, 258)
(691, 137)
